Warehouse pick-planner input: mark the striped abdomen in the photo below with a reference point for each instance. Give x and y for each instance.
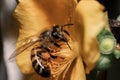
(39, 60)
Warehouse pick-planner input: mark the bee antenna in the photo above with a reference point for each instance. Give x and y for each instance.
(62, 27)
(68, 24)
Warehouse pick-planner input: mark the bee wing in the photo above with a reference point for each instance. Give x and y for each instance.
(25, 43)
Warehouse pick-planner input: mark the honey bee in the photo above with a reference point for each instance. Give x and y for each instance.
(41, 54)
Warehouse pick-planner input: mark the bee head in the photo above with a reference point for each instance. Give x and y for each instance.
(58, 32)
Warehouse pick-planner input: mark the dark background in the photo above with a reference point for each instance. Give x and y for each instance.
(112, 6)
(3, 73)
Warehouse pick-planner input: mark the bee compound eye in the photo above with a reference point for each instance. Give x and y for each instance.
(55, 35)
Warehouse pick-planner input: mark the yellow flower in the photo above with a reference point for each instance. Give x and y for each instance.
(36, 16)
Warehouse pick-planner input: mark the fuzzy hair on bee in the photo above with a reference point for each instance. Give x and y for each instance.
(41, 54)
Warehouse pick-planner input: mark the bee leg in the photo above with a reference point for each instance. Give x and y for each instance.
(57, 45)
(52, 56)
(39, 54)
(47, 49)
(69, 46)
